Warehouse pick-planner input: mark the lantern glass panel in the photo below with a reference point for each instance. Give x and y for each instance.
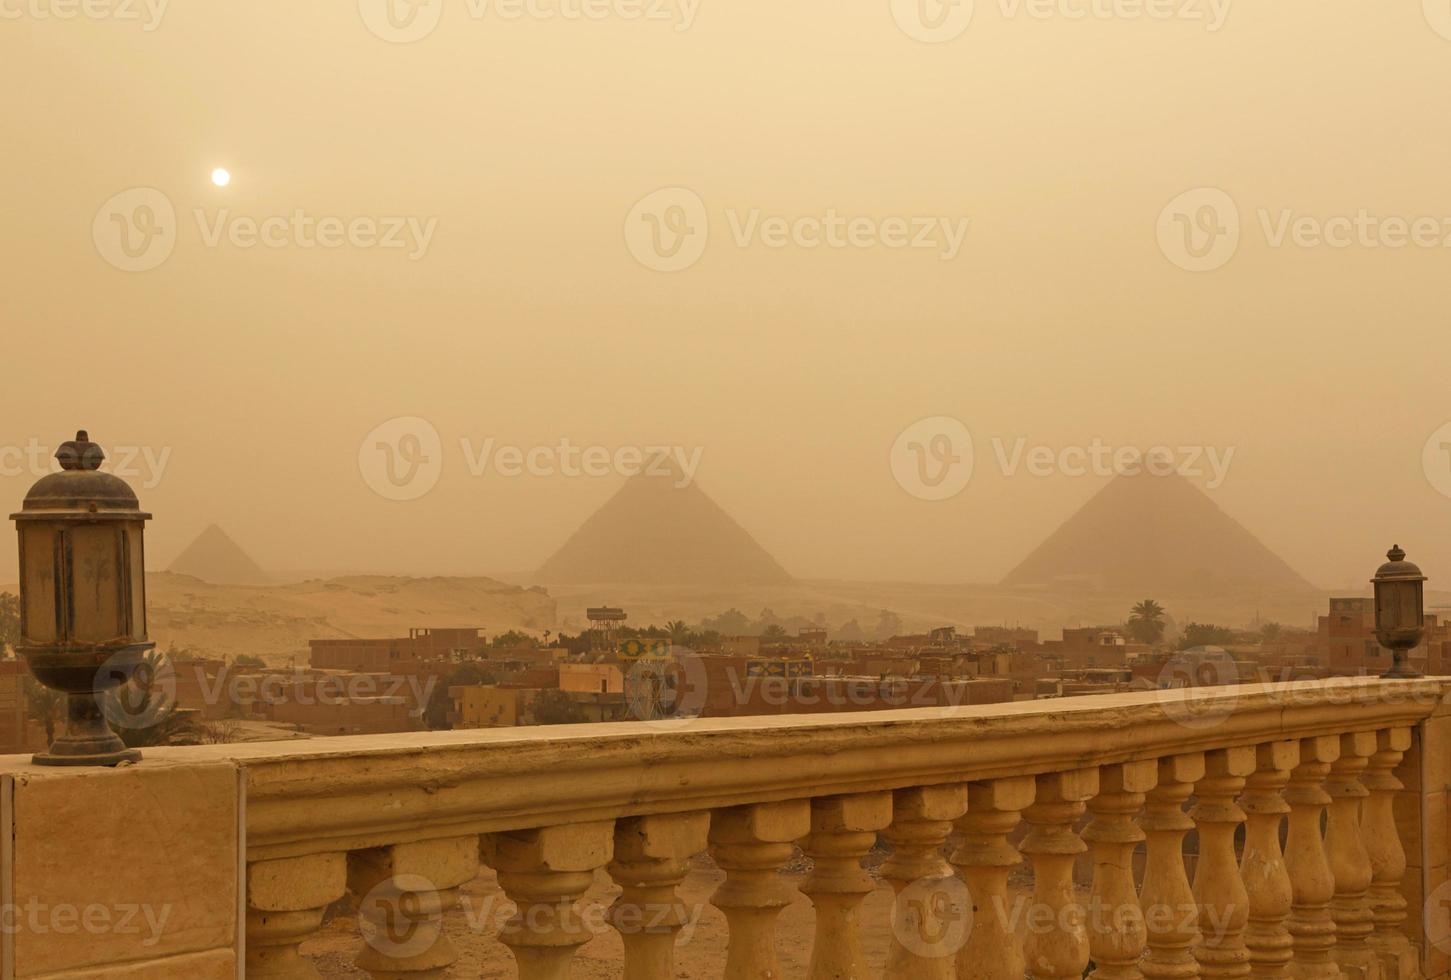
(41, 624)
(136, 580)
(1385, 606)
(97, 583)
(1410, 595)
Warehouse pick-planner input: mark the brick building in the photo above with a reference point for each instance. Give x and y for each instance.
(1347, 646)
(419, 644)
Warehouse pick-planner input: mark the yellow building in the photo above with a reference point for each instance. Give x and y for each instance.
(591, 678)
(487, 706)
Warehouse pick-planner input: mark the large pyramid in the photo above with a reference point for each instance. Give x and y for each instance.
(1158, 535)
(213, 557)
(653, 532)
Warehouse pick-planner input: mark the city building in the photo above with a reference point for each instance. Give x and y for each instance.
(419, 644)
(490, 706)
(1347, 646)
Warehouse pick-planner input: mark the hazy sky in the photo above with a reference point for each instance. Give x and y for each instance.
(523, 145)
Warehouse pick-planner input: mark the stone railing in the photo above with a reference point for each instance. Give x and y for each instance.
(1357, 772)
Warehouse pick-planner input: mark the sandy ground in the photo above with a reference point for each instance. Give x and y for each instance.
(700, 951)
(276, 622)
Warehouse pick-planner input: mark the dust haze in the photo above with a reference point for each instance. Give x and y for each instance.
(990, 240)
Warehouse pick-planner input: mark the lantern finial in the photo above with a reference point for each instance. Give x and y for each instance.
(1396, 554)
(80, 453)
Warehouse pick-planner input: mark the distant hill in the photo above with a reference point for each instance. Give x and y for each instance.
(1159, 535)
(653, 531)
(214, 557)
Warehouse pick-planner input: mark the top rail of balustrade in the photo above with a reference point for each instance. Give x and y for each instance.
(335, 794)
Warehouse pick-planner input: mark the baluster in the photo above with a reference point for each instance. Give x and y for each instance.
(403, 892)
(751, 844)
(545, 872)
(1115, 921)
(930, 910)
(1349, 861)
(1263, 865)
(1170, 914)
(1313, 886)
(652, 858)
(1387, 857)
(1221, 894)
(843, 831)
(984, 861)
(286, 900)
(1059, 952)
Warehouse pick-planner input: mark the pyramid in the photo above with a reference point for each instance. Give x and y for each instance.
(654, 532)
(213, 557)
(1156, 535)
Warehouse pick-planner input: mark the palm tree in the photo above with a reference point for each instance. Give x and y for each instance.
(1146, 621)
(143, 711)
(679, 633)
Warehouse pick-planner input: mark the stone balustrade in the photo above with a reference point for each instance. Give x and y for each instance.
(1316, 812)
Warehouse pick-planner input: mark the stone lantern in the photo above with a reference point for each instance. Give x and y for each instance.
(82, 597)
(1399, 610)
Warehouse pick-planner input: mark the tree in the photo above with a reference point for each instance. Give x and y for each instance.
(552, 706)
(889, 624)
(774, 633)
(1204, 635)
(247, 660)
(143, 711)
(219, 732)
(43, 705)
(1146, 621)
(851, 632)
(9, 622)
(1270, 632)
(732, 622)
(678, 632)
(513, 639)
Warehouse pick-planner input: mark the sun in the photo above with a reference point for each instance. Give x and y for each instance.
(221, 177)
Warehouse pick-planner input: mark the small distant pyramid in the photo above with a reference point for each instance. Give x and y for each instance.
(655, 532)
(1159, 535)
(213, 557)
